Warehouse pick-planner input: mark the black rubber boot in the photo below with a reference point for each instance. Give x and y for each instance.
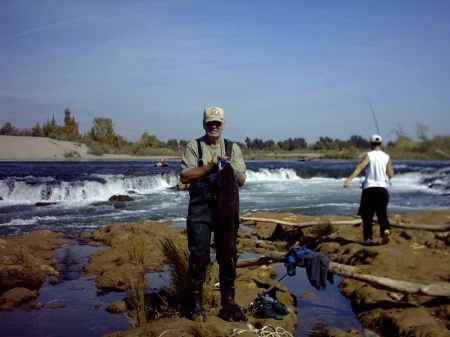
(197, 312)
(230, 311)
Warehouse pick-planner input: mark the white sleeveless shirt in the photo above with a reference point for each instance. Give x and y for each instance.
(376, 175)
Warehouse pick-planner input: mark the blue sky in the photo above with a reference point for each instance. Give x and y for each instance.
(280, 69)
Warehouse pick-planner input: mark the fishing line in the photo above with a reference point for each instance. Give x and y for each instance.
(374, 117)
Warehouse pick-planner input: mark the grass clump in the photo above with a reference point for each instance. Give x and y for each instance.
(24, 255)
(323, 229)
(212, 277)
(174, 247)
(137, 299)
(138, 249)
(72, 154)
(170, 301)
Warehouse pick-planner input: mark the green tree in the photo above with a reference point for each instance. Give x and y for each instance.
(50, 128)
(248, 142)
(291, 144)
(257, 144)
(172, 144)
(148, 140)
(70, 128)
(270, 145)
(325, 143)
(283, 145)
(299, 143)
(9, 130)
(37, 130)
(26, 132)
(359, 142)
(405, 144)
(182, 143)
(103, 131)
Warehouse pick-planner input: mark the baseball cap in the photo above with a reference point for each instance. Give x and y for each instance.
(375, 139)
(213, 114)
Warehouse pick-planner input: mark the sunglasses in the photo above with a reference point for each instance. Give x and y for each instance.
(214, 123)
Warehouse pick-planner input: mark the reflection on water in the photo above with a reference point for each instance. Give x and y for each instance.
(327, 308)
(81, 311)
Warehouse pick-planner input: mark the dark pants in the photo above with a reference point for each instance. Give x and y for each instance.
(202, 220)
(374, 200)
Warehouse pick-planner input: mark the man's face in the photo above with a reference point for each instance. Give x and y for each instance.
(214, 129)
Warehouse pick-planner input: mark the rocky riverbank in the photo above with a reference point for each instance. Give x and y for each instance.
(417, 255)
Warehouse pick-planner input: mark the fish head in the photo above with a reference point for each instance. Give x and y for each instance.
(221, 162)
(227, 173)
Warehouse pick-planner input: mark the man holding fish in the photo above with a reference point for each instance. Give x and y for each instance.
(214, 167)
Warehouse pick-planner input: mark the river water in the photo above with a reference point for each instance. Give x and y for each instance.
(80, 191)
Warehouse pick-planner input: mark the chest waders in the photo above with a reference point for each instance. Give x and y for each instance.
(202, 220)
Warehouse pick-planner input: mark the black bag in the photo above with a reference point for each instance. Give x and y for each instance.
(268, 307)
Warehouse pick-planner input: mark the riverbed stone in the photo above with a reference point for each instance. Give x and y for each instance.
(16, 297)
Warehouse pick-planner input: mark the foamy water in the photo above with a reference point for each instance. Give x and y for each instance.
(78, 192)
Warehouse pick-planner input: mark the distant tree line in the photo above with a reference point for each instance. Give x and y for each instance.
(49, 129)
(102, 138)
(291, 144)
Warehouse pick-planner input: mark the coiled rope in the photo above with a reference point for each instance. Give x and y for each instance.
(263, 332)
(184, 332)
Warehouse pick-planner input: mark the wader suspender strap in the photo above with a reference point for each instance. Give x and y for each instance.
(228, 146)
(200, 153)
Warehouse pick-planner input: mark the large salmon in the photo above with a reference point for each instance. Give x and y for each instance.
(229, 215)
(227, 255)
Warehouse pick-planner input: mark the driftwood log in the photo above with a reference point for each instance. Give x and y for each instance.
(432, 228)
(386, 283)
(436, 228)
(302, 224)
(442, 153)
(409, 287)
(270, 258)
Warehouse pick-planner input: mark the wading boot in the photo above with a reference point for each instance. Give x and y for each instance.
(230, 311)
(197, 312)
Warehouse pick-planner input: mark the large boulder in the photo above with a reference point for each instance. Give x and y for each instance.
(120, 197)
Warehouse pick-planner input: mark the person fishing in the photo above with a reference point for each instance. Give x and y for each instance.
(375, 196)
(200, 169)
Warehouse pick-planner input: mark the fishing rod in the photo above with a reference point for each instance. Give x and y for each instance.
(272, 286)
(376, 124)
(374, 117)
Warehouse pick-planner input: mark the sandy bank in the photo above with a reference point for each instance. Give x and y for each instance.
(41, 148)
